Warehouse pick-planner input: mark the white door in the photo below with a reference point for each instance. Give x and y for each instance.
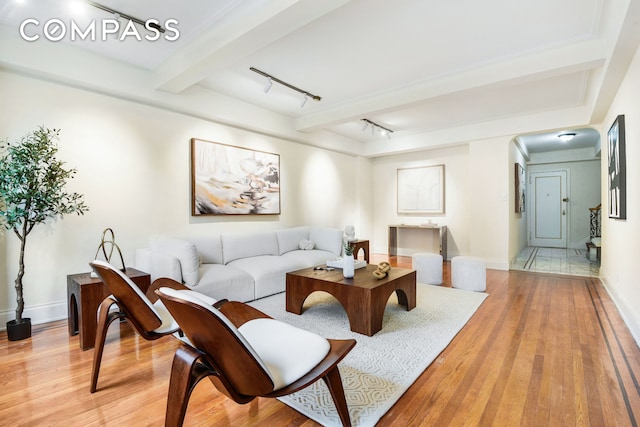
(549, 204)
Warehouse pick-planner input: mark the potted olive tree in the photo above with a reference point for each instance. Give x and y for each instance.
(32, 191)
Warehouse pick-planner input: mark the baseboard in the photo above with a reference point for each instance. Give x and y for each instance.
(42, 313)
(627, 312)
(496, 264)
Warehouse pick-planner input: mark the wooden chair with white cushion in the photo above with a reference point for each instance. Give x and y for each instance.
(247, 354)
(150, 320)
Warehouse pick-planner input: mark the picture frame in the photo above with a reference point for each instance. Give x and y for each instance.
(617, 172)
(521, 180)
(231, 180)
(420, 190)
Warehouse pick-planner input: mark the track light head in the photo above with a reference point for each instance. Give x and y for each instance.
(272, 79)
(267, 88)
(383, 130)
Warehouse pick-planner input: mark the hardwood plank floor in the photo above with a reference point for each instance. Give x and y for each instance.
(541, 350)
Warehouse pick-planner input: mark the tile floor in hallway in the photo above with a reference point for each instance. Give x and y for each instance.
(555, 260)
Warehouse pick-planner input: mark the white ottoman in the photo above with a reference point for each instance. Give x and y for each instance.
(468, 272)
(428, 267)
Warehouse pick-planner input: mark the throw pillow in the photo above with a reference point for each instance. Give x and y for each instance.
(306, 245)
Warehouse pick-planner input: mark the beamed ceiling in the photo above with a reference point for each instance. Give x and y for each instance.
(435, 72)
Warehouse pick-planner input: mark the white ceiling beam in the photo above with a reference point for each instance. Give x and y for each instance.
(243, 32)
(506, 127)
(584, 55)
(625, 40)
(78, 68)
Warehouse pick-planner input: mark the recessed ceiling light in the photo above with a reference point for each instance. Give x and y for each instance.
(566, 137)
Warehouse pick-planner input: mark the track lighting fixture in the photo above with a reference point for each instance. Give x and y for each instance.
(272, 79)
(374, 126)
(119, 15)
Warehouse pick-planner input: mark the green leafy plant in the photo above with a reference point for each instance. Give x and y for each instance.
(348, 249)
(32, 191)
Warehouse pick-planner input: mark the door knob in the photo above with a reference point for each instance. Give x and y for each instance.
(566, 199)
(563, 212)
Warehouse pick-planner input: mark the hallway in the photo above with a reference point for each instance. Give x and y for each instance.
(557, 261)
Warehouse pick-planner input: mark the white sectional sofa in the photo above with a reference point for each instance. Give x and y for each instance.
(239, 266)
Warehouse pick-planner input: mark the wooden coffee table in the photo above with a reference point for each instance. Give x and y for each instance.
(364, 297)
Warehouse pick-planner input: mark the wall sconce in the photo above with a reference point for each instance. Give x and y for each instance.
(374, 126)
(271, 79)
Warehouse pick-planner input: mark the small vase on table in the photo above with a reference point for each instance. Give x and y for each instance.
(348, 263)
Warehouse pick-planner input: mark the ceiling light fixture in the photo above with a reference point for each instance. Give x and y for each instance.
(267, 88)
(566, 137)
(127, 17)
(272, 79)
(374, 126)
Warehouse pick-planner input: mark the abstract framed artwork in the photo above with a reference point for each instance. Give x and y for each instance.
(421, 190)
(617, 170)
(229, 180)
(520, 188)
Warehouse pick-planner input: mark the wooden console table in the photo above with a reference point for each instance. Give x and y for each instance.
(85, 293)
(440, 229)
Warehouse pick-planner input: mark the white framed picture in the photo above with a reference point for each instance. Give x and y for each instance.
(421, 190)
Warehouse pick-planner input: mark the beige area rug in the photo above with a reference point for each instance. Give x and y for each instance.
(380, 368)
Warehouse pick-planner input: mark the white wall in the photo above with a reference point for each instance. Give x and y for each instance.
(620, 269)
(456, 216)
(489, 199)
(517, 221)
(133, 168)
(476, 201)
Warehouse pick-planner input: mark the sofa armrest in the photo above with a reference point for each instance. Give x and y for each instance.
(158, 264)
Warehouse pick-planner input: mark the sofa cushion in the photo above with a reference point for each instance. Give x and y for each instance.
(209, 248)
(327, 239)
(186, 253)
(268, 272)
(310, 258)
(225, 282)
(238, 246)
(289, 238)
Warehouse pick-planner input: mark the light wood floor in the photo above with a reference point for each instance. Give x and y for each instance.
(542, 350)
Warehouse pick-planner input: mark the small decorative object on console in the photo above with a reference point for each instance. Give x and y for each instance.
(382, 271)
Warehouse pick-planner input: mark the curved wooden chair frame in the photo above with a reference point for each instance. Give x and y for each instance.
(219, 354)
(130, 307)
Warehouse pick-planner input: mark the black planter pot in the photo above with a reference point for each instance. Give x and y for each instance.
(19, 331)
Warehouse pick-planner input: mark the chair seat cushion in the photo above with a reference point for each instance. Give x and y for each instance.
(288, 352)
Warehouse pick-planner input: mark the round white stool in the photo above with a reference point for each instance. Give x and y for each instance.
(428, 267)
(468, 272)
